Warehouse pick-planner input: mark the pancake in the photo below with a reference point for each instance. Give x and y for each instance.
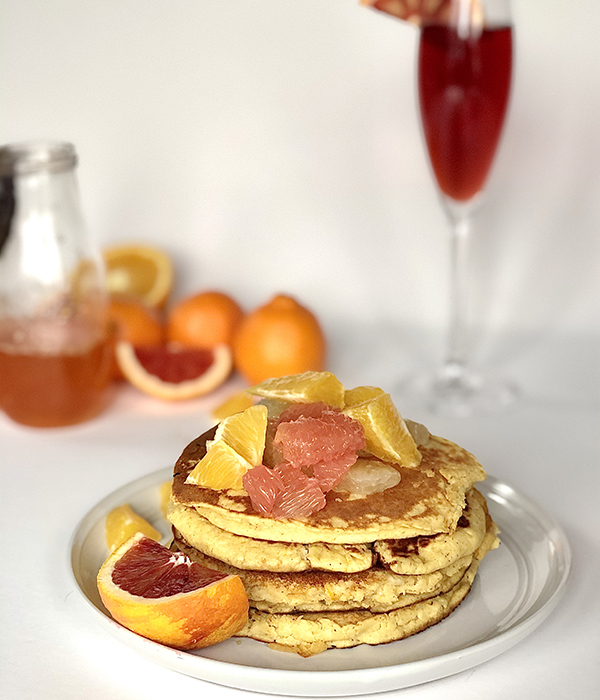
(376, 590)
(250, 553)
(311, 633)
(360, 569)
(419, 555)
(428, 500)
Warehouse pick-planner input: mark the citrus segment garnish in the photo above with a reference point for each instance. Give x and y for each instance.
(308, 387)
(123, 522)
(367, 476)
(386, 433)
(164, 596)
(141, 271)
(313, 446)
(263, 485)
(220, 468)
(360, 394)
(413, 11)
(234, 404)
(173, 374)
(245, 432)
(283, 492)
(309, 440)
(301, 496)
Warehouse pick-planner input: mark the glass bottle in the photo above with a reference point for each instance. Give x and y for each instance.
(54, 347)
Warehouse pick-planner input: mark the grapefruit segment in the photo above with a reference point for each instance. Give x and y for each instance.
(174, 374)
(318, 437)
(164, 596)
(263, 485)
(301, 495)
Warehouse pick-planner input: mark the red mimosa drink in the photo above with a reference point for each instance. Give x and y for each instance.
(463, 89)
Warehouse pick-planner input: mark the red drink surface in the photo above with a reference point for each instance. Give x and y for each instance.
(463, 91)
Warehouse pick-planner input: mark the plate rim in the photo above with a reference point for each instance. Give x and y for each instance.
(326, 682)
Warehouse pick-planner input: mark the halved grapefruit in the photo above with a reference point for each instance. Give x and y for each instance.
(164, 596)
(174, 373)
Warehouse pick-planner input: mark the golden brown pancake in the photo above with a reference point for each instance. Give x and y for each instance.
(376, 589)
(428, 500)
(415, 555)
(313, 632)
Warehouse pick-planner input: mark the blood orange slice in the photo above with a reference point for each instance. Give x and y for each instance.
(164, 596)
(174, 374)
(414, 11)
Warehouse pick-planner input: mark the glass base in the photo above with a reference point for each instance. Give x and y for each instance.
(458, 392)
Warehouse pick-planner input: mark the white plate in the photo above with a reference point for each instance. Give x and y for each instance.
(517, 586)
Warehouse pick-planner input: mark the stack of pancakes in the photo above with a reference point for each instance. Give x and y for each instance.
(370, 569)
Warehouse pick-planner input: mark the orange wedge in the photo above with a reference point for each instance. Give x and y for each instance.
(141, 271)
(386, 432)
(123, 522)
(308, 387)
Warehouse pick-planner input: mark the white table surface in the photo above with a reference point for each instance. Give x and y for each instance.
(546, 446)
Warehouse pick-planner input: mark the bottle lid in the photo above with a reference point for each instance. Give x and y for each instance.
(33, 157)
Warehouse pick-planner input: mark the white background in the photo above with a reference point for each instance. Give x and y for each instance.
(274, 145)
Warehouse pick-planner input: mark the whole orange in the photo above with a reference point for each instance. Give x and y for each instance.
(130, 319)
(277, 339)
(204, 320)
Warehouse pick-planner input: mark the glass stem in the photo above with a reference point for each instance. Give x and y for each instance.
(456, 360)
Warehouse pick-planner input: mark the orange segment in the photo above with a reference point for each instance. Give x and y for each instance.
(234, 404)
(123, 522)
(360, 394)
(386, 432)
(142, 271)
(174, 375)
(221, 468)
(308, 387)
(164, 596)
(245, 432)
(165, 496)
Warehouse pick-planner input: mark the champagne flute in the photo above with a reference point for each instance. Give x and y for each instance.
(464, 76)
